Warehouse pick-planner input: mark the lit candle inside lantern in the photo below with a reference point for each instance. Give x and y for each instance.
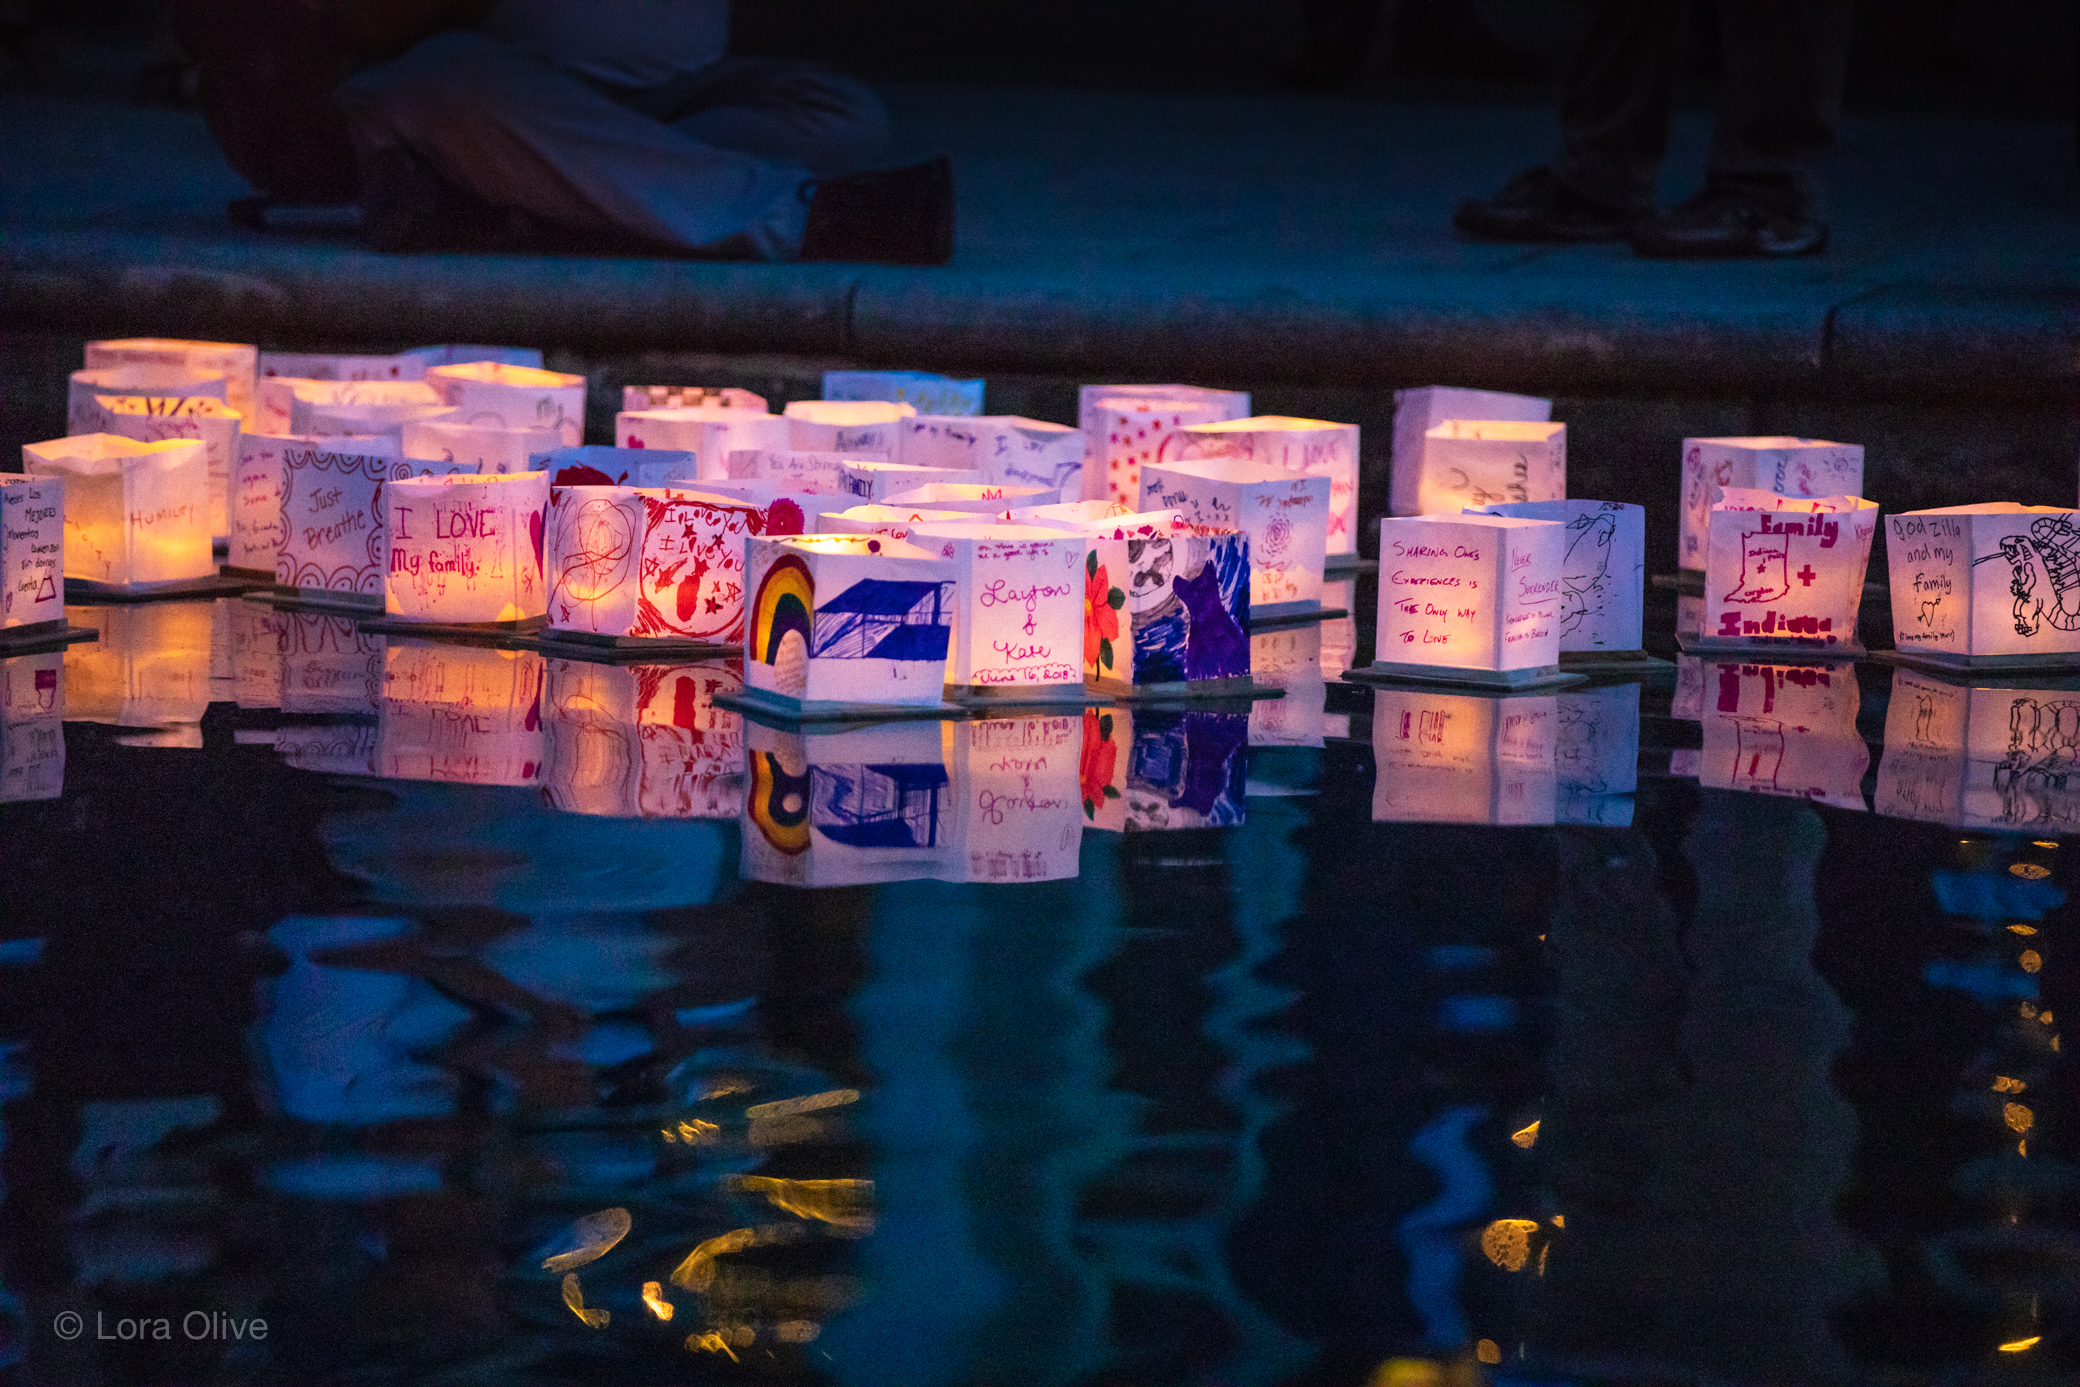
(855, 428)
(136, 514)
(466, 548)
(847, 619)
(1795, 467)
(1478, 594)
(1312, 446)
(1419, 410)
(513, 397)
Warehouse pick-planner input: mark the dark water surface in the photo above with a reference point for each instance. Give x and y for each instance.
(1689, 1029)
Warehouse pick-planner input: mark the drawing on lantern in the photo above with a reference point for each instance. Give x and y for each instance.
(692, 569)
(594, 539)
(1585, 573)
(1765, 569)
(780, 622)
(2046, 574)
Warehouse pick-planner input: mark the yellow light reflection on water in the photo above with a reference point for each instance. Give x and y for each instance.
(815, 1102)
(1507, 1242)
(2023, 1345)
(591, 1237)
(2019, 1117)
(574, 1296)
(713, 1343)
(653, 1296)
(845, 1204)
(1525, 1136)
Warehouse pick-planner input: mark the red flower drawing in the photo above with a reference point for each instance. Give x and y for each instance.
(1101, 607)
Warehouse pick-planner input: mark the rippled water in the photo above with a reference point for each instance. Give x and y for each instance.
(463, 1016)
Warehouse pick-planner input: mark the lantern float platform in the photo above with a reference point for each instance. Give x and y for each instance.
(295, 599)
(86, 590)
(1391, 674)
(1280, 620)
(475, 632)
(1017, 696)
(1976, 667)
(633, 650)
(1809, 651)
(43, 636)
(1197, 695)
(1616, 661)
(782, 712)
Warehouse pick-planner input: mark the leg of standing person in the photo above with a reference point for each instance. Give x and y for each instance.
(1779, 111)
(1614, 114)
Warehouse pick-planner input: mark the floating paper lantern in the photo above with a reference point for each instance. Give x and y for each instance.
(463, 713)
(1020, 598)
(924, 391)
(644, 741)
(360, 420)
(32, 727)
(1781, 571)
(631, 564)
(818, 473)
(877, 481)
(1777, 729)
(894, 521)
(1017, 815)
(32, 553)
(847, 619)
(1470, 596)
(1795, 467)
(1977, 757)
(484, 448)
(1286, 518)
(1990, 586)
(1124, 435)
(1094, 480)
(328, 664)
(1596, 754)
(466, 549)
(406, 365)
(867, 804)
(154, 419)
(1311, 446)
(646, 467)
(236, 362)
(999, 448)
(1158, 770)
(1422, 409)
(856, 428)
(255, 523)
(83, 410)
(150, 667)
(333, 541)
(136, 514)
(1165, 603)
(974, 498)
(513, 397)
(286, 403)
(1076, 514)
(1603, 573)
(1458, 758)
(1468, 463)
(639, 397)
(785, 511)
(710, 432)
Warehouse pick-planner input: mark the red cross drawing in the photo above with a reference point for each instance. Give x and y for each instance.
(1806, 575)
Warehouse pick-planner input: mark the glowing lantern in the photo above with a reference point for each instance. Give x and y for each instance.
(644, 741)
(254, 543)
(1603, 575)
(1016, 813)
(650, 467)
(647, 565)
(710, 432)
(818, 473)
(1000, 448)
(1145, 769)
(847, 620)
(150, 419)
(484, 448)
(1074, 515)
(1285, 516)
(136, 514)
(1797, 467)
(877, 481)
(1310, 446)
(1469, 463)
(82, 402)
(1166, 605)
(786, 511)
(1777, 729)
(1781, 571)
(866, 804)
(975, 498)
(1126, 434)
(924, 391)
(466, 549)
(1978, 757)
(894, 521)
(236, 362)
(405, 365)
(1986, 587)
(513, 397)
(1020, 599)
(1596, 754)
(32, 554)
(367, 417)
(150, 668)
(463, 713)
(1459, 758)
(1420, 410)
(1474, 598)
(333, 542)
(639, 397)
(32, 727)
(287, 403)
(855, 428)
(1096, 481)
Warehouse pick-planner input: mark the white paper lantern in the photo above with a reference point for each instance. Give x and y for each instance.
(817, 473)
(360, 420)
(1311, 446)
(1477, 594)
(1001, 448)
(710, 432)
(1016, 811)
(1603, 573)
(1780, 571)
(406, 365)
(484, 448)
(1479, 462)
(1125, 434)
(644, 741)
(1990, 586)
(973, 498)
(153, 419)
(785, 510)
(287, 403)
(1795, 467)
(254, 544)
(1458, 758)
(1977, 757)
(83, 411)
(333, 539)
(236, 362)
(1020, 603)
(1149, 770)
(630, 563)
(136, 514)
(640, 397)
(32, 552)
(855, 428)
(1776, 729)
(877, 481)
(1094, 482)
(32, 727)
(924, 391)
(513, 397)
(462, 713)
(847, 808)
(847, 620)
(593, 465)
(466, 549)
(894, 521)
(1285, 516)
(1419, 410)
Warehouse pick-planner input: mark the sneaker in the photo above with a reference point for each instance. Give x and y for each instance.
(889, 216)
(1537, 206)
(1727, 224)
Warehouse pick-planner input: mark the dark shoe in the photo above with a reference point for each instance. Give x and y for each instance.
(890, 216)
(1537, 206)
(1724, 224)
(406, 206)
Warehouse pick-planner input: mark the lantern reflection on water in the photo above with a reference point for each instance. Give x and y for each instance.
(150, 668)
(1155, 769)
(463, 713)
(866, 804)
(644, 741)
(1782, 729)
(1016, 812)
(1975, 756)
(32, 726)
(1464, 758)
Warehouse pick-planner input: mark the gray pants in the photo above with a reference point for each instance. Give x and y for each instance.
(711, 162)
